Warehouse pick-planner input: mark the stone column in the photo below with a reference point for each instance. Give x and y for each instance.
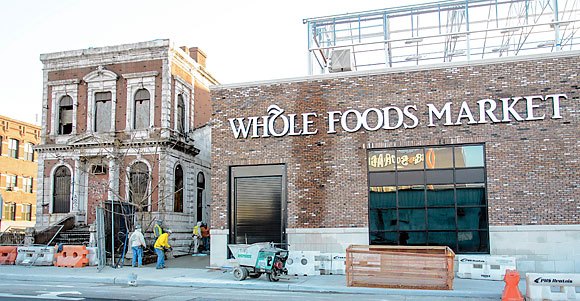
(113, 190)
(76, 185)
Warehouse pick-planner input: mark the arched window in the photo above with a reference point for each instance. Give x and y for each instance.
(180, 114)
(200, 188)
(200, 180)
(138, 186)
(61, 190)
(178, 195)
(142, 103)
(65, 115)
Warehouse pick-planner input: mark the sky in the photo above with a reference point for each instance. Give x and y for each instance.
(244, 40)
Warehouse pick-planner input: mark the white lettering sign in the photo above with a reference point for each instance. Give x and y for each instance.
(278, 124)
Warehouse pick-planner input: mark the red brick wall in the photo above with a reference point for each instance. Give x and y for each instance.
(533, 171)
(202, 105)
(121, 109)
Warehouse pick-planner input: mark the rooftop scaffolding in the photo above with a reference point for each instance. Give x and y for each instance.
(442, 31)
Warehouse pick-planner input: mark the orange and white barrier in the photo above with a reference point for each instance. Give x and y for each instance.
(72, 257)
(8, 255)
(35, 255)
(484, 267)
(541, 287)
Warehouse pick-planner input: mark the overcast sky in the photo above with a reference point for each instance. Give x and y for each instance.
(244, 40)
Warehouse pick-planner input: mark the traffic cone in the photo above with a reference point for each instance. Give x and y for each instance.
(511, 292)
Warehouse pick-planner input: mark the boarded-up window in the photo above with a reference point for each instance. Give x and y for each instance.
(139, 182)
(61, 190)
(178, 196)
(180, 114)
(65, 115)
(142, 103)
(103, 105)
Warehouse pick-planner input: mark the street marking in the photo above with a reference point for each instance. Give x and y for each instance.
(44, 296)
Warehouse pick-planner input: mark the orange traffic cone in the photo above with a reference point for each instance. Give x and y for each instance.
(511, 292)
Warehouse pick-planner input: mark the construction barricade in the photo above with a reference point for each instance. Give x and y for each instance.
(338, 265)
(35, 255)
(400, 267)
(323, 263)
(484, 267)
(552, 286)
(92, 256)
(330, 263)
(302, 263)
(8, 255)
(72, 257)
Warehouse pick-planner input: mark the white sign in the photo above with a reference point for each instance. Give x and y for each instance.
(278, 124)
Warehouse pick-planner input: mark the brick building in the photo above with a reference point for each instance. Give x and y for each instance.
(18, 171)
(480, 156)
(126, 124)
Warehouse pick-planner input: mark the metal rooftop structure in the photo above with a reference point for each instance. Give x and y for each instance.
(439, 32)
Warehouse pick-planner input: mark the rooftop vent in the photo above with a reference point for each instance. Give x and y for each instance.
(340, 60)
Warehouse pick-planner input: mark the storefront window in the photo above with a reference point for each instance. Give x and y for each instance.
(429, 196)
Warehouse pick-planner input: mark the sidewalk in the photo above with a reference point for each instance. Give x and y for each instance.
(464, 289)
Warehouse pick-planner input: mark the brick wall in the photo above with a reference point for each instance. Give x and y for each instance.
(533, 170)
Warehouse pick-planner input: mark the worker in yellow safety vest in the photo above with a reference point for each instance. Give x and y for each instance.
(157, 230)
(196, 237)
(162, 244)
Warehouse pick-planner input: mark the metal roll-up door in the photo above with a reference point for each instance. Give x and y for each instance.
(258, 209)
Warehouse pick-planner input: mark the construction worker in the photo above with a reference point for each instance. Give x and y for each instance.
(162, 244)
(137, 242)
(157, 230)
(196, 237)
(205, 236)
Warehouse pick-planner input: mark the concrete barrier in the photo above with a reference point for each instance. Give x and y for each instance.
(541, 287)
(338, 266)
(36, 255)
(92, 256)
(323, 263)
(484, 267)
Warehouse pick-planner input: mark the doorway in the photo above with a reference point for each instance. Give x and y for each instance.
(258, 204)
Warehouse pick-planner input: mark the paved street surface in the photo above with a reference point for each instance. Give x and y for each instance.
(178, 283)
(23, 290)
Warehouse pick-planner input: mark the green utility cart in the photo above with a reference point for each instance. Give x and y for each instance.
(257, 259)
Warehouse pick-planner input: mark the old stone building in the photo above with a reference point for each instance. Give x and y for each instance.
(479, 156)
(126, 124)
(18, 171)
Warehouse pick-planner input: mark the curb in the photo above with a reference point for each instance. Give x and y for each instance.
(217, 283)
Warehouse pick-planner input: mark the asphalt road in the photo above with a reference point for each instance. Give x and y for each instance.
(26, 290)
